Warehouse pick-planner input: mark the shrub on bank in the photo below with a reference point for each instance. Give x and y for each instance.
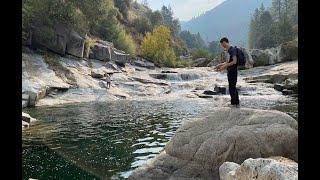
(201, 53)
(155, 46)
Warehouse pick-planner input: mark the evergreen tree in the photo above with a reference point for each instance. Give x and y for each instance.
(169, 21)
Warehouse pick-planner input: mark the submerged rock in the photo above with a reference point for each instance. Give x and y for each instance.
(168, 71)
(209, 92)
(203, 95)
(25, 124)
(148, 81)
(200, 146)
(220, 89)
(276, 168)
(27, 118)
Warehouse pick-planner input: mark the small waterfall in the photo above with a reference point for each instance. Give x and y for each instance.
(178, 76)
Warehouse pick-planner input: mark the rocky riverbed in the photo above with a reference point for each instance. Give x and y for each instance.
(72, 80)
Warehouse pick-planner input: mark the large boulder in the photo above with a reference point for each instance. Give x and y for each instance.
(249, 60)
(30, 97)
(200, 146)
(100, 52)
(57, 43)
(289, 86)
(276, 168)
(288, 51)
(120, 57)
(143, 63)
(260, 57)
(201, 62)
(75, 45)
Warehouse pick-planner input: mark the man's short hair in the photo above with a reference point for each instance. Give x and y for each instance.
(224, 39)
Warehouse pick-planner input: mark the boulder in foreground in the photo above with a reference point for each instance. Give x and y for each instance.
(200, 146)
(276, 168)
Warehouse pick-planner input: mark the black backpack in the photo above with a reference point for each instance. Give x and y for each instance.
(241, 59)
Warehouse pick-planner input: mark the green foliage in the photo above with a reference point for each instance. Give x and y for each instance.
(123, 6)
(96, 17)
(155, 46)
(142, 25)
(269, 28)
(169, 21)
(180, 63)
(88, 44)
(155, 18)
(125, 42)
(192, 40)
(201, 53)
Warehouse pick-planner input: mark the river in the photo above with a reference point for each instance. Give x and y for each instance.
(102, 140)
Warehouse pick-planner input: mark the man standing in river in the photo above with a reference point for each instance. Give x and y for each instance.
(232, 70)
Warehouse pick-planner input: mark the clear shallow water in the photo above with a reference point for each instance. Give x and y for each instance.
(100, 140)
(106, 140)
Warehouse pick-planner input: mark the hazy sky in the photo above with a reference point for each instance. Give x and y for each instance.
(184, 9)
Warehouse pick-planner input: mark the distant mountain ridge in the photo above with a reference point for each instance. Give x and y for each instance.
(231, 18)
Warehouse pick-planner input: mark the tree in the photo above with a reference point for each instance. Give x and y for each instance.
(265, 39)
(123, 6)
(167, 15)
(192, 40)
(253, 29)
(155, 46)
(169, 21)
(262, 33)
(201, 53)
(276, 9)
(155, 18)
(215, 47)
(142, 24)
(145, 3)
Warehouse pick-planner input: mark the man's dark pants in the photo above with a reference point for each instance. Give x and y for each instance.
(232, 80)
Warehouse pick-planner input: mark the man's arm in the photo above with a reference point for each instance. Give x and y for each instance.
(234, 61)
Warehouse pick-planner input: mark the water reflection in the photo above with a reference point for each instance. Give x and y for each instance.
(107, 140)
(100, 140)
